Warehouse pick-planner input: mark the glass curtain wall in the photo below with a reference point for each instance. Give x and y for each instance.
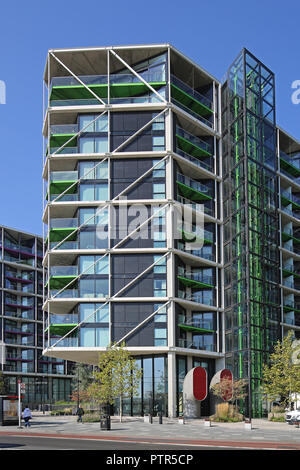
(250, 223)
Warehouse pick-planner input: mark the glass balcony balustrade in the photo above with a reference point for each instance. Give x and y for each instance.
(199, 163)
(200, 298)
(63, 271)
(64, 150)
(196, 206)
(64, 129)
(190, 344)
(289, 198)
(191, 101)
(192, 144)
(148, 76)
(192, 113)
(64, 176)
(63, 223)
(64, 294)
(198, 323)
(63, 319)
(192, 93)
(63, 343)
(197, 277)
(67, 245)
(202, 253)
(193, 184)
(65, 197)
(124, 87)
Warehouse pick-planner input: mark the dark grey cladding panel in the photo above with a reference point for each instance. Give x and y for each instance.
(127, 267)
(124, 172)
(125, 316)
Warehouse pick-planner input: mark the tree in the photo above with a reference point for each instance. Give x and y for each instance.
(118, 375)
(235, 387)
(81, 380)
(281, 377)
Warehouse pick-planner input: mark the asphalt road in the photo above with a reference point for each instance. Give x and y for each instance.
(66, 444)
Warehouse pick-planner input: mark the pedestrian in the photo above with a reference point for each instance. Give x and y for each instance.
(27, 416)
(80, 413)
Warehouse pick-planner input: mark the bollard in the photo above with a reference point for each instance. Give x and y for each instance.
(248, 424)
(160, 420)
(150, 418)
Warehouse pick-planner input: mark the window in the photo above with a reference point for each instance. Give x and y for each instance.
(94, 313)
(93, 144)
(93, 288)
(160, 169)
(159, 123)
(94, 192)
(93, 170)
(161, 266)
(100, 123)
(94, 264)
(160, 288)
(161, 316)
(160, 337)
(159, 190)
(158, 143)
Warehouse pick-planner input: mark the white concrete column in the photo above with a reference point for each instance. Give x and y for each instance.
(172, 381)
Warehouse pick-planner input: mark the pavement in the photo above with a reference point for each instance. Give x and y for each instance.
(263, 434)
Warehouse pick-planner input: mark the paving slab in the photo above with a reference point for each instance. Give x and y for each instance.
(263, 432)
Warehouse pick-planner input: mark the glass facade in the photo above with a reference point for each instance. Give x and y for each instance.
(21, 321)
(165, 144)
(252, 312)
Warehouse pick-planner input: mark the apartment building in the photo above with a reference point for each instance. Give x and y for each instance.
(162, 217)
(21, 318)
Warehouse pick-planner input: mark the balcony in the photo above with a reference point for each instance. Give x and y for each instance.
(199, 297)
(60, 228)
(72, 245)
(60, 276)
(288, 198)
(61, 134)
(192, 145)
(290, 234)
(196, 236)
(207, 165)
(290, 306)
(192, 189)
(191, 101)
(60, 181)
(67, 91)
(197, 326)
(64, 294)
(290, 164)
(188, 344)
(61, 324)
(196, 279)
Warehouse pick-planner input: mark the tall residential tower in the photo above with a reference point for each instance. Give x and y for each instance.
(137, 139)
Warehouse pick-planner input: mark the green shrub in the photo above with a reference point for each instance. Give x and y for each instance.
(277, 419)
(91, 418)
(226, 413)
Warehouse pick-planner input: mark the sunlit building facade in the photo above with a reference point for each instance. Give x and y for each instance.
(134, 136)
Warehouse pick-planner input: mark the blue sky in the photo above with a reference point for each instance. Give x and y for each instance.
(210, 33)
